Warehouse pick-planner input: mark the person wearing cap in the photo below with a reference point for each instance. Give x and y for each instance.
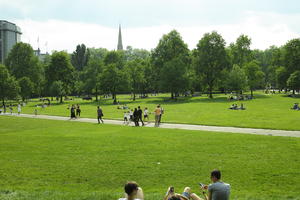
(133, 191)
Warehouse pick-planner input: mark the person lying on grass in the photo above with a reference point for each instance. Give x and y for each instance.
(186, 195)
(133, 191)
(295, 107)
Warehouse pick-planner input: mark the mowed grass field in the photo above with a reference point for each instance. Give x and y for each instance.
(265, 111)
(44, 159)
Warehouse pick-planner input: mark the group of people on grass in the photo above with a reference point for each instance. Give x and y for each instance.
(11, 108)
(235, 107)
(217, 190)
(74, 111)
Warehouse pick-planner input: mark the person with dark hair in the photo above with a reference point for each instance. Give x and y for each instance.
(218, 190)
(157, 113)
(140, 115)
(99, 115)
(136, 117)
(73, 112)
(133, 191)
(78, 111)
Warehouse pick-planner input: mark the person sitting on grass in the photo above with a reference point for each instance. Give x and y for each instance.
(186, 195)
(295, 107)
(133, 191)
(218, 190)
(242, 107)
(233, 107)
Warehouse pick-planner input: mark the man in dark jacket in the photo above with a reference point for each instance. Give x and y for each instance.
(140, 115)
(136, 117)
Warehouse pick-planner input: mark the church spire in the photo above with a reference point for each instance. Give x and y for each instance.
(120, 45)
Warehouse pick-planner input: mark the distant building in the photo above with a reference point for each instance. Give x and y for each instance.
(10, 34)
(120, 45)
(41, 56)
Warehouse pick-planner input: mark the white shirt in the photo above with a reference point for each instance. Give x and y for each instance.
(146, 112)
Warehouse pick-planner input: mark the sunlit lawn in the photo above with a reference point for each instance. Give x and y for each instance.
(41, 159)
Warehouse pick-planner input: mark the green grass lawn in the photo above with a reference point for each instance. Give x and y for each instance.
(265, 111)
(45, 159)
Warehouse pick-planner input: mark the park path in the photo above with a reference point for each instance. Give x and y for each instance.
(175, 126)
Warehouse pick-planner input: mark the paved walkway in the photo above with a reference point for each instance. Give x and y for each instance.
(177, 126)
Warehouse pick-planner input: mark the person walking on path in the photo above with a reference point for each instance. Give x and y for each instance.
(19, 109)
(161, 113)
(78, 111)
(140, 115)
(136, 117)
(73, 112)
(146, 114)
(157, 113)
(100, 115)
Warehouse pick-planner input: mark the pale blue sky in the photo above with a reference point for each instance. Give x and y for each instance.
(242, 16)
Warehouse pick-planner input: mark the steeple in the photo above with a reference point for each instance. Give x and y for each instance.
(120, 45)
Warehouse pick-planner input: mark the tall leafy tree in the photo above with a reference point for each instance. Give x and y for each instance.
(137, 76)
(9, 87)
(240, 51)
(61, 69)
(27, 87)
(282, 76)
(210, 59)
(22, 62)
(293, 82)
(91, 76)
(254, 75)
(291, 55)
(171, 60)
(79, 57)
(113, 80)
(236, 80)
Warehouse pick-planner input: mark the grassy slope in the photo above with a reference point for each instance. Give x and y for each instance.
(266, 111)
(43, 159)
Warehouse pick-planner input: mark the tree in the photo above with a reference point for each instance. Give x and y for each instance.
(113, 80)
(27, 87)
(8, 85)
(21, 62)
(137, 77)
(291, 55)
(91, 76)
(79, 57)
(210, 59)
(61, 69)
(281, 77)
(57, 89)
(236, 80)
(254, 75)
(240, 51)
(171, 60)
(294, 81)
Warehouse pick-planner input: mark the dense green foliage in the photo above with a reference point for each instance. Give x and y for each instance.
(170, 68)
(44, 159)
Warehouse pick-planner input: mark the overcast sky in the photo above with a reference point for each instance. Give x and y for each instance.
(62, 24)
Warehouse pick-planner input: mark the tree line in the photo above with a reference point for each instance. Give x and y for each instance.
(170, 67)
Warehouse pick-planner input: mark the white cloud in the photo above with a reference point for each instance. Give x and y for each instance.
(265, 29)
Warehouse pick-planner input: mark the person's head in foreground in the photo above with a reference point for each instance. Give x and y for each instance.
(133, 191)
(215, 175)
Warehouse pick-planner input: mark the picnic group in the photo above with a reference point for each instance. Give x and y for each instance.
(217, 190)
